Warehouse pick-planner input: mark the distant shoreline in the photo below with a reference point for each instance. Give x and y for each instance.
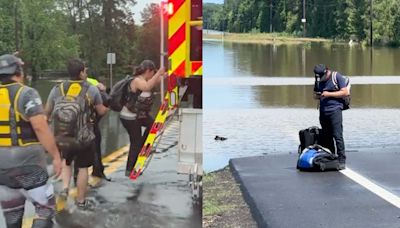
(261, 38)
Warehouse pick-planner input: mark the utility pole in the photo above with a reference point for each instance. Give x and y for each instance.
(370, 22)
(270, 16)
(304, 18)
(16, 24)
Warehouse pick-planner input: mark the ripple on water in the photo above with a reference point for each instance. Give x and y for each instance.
(253, 132)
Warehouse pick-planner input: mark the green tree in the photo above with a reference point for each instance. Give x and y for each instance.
(357, 20)
(10, 26)
(46, 43)
(148, 45)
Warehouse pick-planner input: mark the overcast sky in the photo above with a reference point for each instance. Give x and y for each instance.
(141, 4)
(213, 1)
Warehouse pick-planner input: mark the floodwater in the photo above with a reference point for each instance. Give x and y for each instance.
(260, 96)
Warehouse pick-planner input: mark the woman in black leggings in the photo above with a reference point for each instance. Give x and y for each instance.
(134, 114)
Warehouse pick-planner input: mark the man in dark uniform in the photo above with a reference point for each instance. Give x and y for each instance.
(331, 106)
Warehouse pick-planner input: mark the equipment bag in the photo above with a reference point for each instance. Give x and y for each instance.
(317, 158)
(347, 99)
(119, 94)
(308, 137)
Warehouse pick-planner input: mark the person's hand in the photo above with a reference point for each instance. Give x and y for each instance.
(325, 94)
(101, 87)
(57, 166)
(161, 71)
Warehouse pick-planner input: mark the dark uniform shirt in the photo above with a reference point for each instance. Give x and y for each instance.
(331, 104)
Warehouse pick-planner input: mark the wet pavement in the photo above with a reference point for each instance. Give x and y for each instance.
(159, 198)
(281, 196)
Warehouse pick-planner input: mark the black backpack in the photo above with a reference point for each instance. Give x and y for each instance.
(345, 100)
(120, 94)
(308, 137)
(71, 118)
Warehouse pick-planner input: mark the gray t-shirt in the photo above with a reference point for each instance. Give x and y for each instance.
(93, 94)
(29, 105)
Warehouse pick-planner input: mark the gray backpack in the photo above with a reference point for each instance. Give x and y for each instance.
(71, 118)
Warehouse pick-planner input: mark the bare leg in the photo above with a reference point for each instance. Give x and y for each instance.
(66, 174)
(82, 184)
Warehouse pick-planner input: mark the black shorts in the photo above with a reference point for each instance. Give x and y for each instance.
(83, 157)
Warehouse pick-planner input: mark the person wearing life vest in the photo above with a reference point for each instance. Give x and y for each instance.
(24, 138)
(331, 107)
(83, 156)
(145, 78)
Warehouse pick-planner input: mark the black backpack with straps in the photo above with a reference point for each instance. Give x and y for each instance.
(121, 94)
(347, 99)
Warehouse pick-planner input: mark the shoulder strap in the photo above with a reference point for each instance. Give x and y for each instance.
(61, 86)
(334, 80)
(85, 89)
(16, 99)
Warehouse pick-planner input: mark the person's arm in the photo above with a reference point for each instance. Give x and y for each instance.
(50, 102)
(47, 110)
(101, 87)
(46, 138)
(146, 86)
(343, 92)
(101, 109)
(97, 101)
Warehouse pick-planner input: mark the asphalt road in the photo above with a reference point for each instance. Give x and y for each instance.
(281, 196)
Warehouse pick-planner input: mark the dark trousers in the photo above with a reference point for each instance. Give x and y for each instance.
(98, 167)
(134, 129)
(332, 128)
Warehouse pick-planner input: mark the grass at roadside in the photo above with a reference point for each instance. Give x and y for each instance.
(223, 203)
(263, 38)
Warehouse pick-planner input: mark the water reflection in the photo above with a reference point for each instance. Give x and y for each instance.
(299, 96)
(237, 59)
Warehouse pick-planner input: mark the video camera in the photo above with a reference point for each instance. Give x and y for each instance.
(319, 72)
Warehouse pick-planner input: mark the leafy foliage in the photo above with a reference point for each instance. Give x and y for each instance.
(49, 32)
(336, 19)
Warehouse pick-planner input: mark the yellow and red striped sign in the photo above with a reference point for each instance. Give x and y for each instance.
(197, 68)
(177, 46)
(177, 37)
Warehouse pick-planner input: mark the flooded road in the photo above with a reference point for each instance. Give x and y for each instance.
(159, 198)
(260, 101)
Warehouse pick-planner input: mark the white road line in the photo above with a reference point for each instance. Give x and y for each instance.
(374, 188)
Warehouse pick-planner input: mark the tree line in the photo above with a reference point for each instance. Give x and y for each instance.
(46, 33)
(334, 19)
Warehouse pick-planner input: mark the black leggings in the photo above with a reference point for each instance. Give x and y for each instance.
(134, 129)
